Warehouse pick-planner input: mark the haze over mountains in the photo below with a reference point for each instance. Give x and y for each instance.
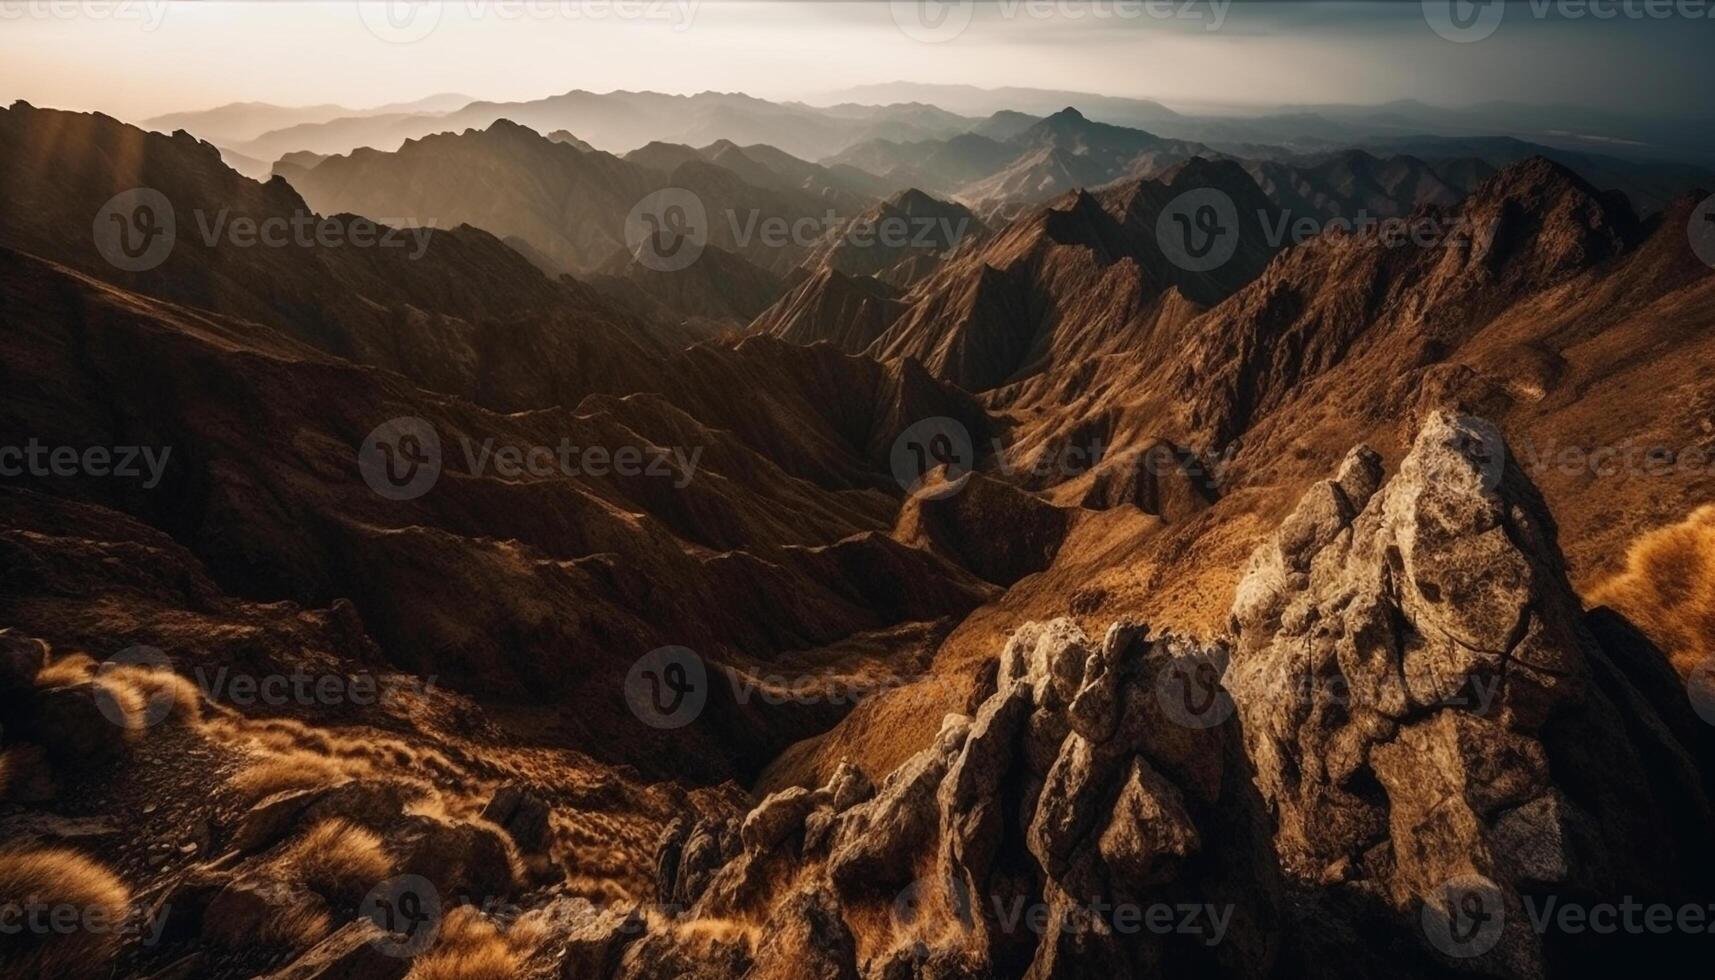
(986, 159)
(812, 566)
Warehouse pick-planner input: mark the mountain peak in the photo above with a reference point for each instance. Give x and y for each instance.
(912, 200)
(1069, 114)
(504, 125)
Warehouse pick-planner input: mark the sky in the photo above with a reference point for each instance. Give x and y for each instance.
(138, 58)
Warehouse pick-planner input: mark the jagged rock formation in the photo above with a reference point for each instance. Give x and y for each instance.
(1019, 844)
(1423, 700)
(1413, 714)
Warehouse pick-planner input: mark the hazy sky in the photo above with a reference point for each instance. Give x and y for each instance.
(138, 58)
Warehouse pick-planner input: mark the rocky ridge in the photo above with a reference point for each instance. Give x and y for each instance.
(1412, 714)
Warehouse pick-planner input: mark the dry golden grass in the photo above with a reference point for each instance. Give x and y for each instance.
(73, 668)
(55, 879)
(336, 859)
(297, 769)
(532, 931)
(160, 687)
(126, 700)
(297, 928)
(1668, 588)
(469, 947)
(711, 931)
(140, 695)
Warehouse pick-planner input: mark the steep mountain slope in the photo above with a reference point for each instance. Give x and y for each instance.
(849, 312)
(451, 309)
(899, 240)
(1582, 334)
(719, 288)
(1013, 165)
(1411, 732)
(273, 502)
(1071, 282)
(1066, 150)
(568, 204)
(936, 166)
(572, 205)
(1354, 184)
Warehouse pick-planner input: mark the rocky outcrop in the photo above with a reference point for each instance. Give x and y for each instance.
(1053, 834)
(1413, 735)
(1432, 722)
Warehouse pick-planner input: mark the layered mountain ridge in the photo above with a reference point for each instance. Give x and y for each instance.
(878, 531)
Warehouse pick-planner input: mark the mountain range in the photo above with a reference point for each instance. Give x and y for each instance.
(974, 571)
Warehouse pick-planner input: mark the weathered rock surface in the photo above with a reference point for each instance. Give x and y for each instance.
(1425, 704)
(595, 938)
(355, 951)
(1046, 836)
(522, 814)
(1413, 715)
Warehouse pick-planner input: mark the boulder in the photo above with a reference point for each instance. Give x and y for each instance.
(467, 859)
(255, 909)
(367, 803)
(21, 659)
(1424, 703)
(806, 938)
(83, 721)
(522, 814)
(595, 939)
(355, 951)
(687, 858)
(778, 817)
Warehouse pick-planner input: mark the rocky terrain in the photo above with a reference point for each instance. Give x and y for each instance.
(1411, 709)
(1019, 600)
